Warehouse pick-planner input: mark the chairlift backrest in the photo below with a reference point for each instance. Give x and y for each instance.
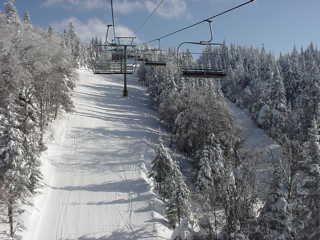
(154, 57)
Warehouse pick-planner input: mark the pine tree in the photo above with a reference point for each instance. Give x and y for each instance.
(66, 38)
(28, 119)
(278, 94)
(74, 42)
(14, 177)
(210, 180)
(161, 168)
(170, 185)
(309, 188)
(211, 167)
(11, 12)
(310, 98)
(26, 18)
(275, 220)
(50, 32)
(178, 206)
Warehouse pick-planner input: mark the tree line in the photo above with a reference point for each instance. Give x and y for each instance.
(37, 76)
(211, 192)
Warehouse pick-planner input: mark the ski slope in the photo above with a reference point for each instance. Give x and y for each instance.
(99, 189)
(261, 149)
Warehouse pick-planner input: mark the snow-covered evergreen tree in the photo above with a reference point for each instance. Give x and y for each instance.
(14, 179)
(11, 12)
(309, 188)
(211, 166)
(74, 43)
(28, 112)
(275, 218)
(50, 32)
(26, 18)
(210, 161)
(170, 184)
(178, 206)
(161, 171)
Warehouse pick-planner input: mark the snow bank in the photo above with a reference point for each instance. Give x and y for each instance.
(32, 215)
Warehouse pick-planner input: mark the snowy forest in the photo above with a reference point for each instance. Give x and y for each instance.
(213, 184)
(36, 80)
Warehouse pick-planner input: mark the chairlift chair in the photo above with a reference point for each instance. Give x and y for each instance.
(155, 57)
(154, 62)
(200, 71)
(203, 73)
(110, 61)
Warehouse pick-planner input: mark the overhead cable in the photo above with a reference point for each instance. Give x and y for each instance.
(113, 24)
(150, 15)
(197, 23)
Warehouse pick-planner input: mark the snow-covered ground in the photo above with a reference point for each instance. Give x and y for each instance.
(263, 151)
(98, 188)
(95, 168)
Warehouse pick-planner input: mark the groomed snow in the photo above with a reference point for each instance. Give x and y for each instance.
(98, 189)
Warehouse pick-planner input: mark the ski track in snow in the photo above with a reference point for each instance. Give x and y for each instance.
(98, 191)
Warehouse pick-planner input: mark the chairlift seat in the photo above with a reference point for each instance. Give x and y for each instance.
(155, 63)
(113, 68)
(203, 73)
(140, 59)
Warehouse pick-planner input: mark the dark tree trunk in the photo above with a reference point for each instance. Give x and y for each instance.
(10, 216)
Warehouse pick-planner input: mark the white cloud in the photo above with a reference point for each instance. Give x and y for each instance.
(169, 8)
(93, 27)
(86, 4)
(128, 6)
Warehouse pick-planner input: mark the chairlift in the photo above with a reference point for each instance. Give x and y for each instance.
(112, 58)
(200, 71)
(154, 62)
(110, 61)
(155, 58)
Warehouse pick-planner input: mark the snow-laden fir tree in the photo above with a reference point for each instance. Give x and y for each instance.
(211, 164)
(210, 161)
(26, 18)
(14, 177)
(169, 183)
(11, 12)
(73, 42)
(161, 169)
(278, 104)
(311, 97)
(28, 120)
(50, 32)
(309, 188)
(274, 222)
(178, 206)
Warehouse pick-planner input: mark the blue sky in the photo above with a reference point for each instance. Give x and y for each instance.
(276, 24)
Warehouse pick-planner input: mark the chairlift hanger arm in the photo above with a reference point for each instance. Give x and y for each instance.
(202, 43)
(211, 34)
(107, 35)
(113, 22)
